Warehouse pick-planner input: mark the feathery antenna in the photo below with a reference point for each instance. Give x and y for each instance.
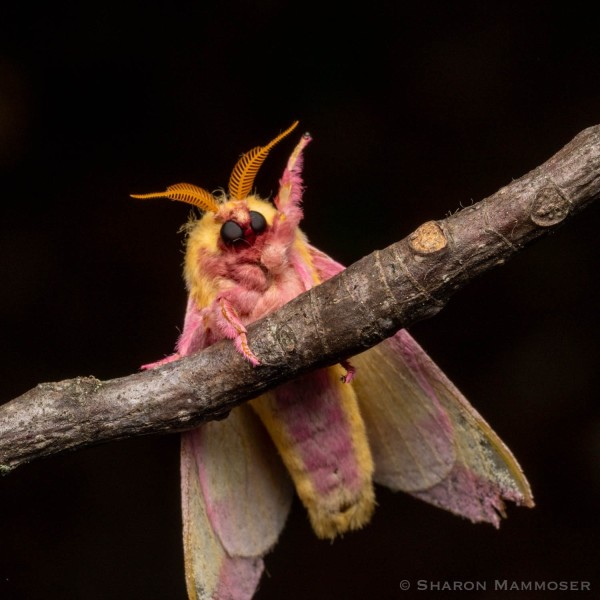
(244, 172)
(186, 192)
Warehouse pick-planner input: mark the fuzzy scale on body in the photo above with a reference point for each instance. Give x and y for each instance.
(314, 422)
(400, 422)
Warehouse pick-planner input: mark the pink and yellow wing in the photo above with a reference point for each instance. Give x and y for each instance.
(425, 437)
(236, 496)
(236, 493)
(428, 440)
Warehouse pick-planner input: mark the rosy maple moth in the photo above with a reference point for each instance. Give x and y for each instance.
(399, 422)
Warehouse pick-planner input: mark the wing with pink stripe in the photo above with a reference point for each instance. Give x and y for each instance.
(236, 496)
(428, 440)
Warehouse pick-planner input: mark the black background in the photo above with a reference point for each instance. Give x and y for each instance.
(415, 111)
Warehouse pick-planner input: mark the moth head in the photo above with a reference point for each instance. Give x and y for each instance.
(239, 224)
(240, 215)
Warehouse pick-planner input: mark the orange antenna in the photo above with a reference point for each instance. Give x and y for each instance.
(186, 192)
(244, 172)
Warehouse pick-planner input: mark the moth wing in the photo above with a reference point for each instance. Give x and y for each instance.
(428, 440)
(410, 433)
(325, 266)
(236, 496)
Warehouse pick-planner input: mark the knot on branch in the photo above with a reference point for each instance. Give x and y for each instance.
(549, 207)
(427, 239)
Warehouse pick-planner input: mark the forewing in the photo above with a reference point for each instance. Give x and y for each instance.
(236, 496)
(210, 573)
(428, 440)
(325, 266)
(410, 433)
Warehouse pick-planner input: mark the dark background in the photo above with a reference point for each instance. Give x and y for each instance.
(415, 111)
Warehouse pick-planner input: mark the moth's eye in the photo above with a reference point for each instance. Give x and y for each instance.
(231, 232)
(257, 222)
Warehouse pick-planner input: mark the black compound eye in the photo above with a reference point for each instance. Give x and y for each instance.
(231, 232)
(257, 222)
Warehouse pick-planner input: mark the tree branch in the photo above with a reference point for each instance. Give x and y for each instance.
(389, 289)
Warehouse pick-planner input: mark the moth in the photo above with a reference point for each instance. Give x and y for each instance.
(390, 417)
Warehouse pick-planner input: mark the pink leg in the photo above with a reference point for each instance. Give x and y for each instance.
(163, 361)
(235, 330)
(350, 371)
